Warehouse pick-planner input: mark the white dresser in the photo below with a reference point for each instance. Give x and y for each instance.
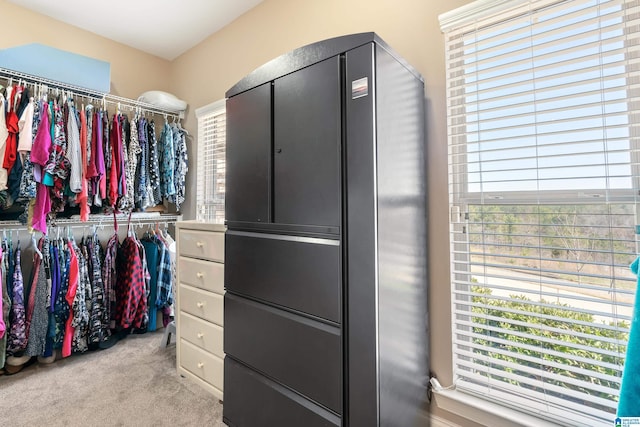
(199, 303)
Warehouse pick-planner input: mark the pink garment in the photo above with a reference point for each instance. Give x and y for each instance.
(74, 272)
(113, 181)
(92, 169)
(42, 141)
(3, 327)
(41, 208)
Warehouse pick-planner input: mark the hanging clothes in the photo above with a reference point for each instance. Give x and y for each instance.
(40, 153)
(58, 166)
(98, 318)
(165, 278)
(81, 305)
(83, 197)
(151, 252)
(73, 150)
(167, 162)
(13, 182)
(109, 277)
(116, 162)
(106, 150)
(9, 264)
(27, 187)
(4, 134)
(96, 167)
(132, 162)
(153, 181)
(6, 309)
(3, 326)
(123, 201)
(131, 286)
(181, 166)
(141, 187)
(38, 302)
(25, 127)
(92, 170)
(11, 146)
(61, 311)
(17, 340)
(74, 274)
(54, 279)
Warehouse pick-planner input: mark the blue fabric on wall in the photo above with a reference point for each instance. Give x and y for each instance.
(629, 404)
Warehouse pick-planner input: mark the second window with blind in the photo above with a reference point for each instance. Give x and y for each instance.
(543, 138)
(211, 162)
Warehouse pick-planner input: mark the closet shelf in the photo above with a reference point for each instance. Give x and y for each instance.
(122, 102)
(105, 220)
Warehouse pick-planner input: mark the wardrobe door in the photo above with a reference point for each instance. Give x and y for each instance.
(307, 116)
(248, 179)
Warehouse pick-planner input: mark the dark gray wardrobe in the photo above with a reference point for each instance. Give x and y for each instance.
(325, 252)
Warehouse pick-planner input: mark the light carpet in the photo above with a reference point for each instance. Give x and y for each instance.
(134, 383)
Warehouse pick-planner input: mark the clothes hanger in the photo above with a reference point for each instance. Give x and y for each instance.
(34, 244)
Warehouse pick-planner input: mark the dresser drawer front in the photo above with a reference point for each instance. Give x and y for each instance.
(202, 274)
(244, 386)
(202, 244)
(202, 304)
(298, 273)
(204, 365)
(300, 353)
(207, 336)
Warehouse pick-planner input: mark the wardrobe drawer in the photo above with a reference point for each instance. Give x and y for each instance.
(202, 244)
(253, 400)
(202, 274)
(202, 364)
(301, 273)
(205, 335)
(299, 352)
(203, 304)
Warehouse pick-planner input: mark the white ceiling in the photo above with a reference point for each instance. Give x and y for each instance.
(165, 28)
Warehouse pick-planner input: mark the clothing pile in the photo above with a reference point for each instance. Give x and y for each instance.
(81, 297)
(56, 153)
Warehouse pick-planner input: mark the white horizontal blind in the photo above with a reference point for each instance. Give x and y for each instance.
(211, 162)
(543, 115)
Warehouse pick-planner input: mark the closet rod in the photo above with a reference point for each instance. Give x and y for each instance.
(96, 95)
(102, 219)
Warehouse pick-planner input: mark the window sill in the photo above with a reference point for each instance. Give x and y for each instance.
(485, 412)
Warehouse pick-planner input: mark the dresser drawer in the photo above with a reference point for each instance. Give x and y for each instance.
(202, 244)
(301, 353)
(204, 365)
(254, 400)
(203, 334)
(203, 304)
(202, 274)
(301, 273)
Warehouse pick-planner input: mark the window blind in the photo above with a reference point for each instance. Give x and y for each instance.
(211, 162)
(543, 115)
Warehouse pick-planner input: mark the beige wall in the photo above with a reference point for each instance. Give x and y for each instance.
(132, 71)
(410, 27)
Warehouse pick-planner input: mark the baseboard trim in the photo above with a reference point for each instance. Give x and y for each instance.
(437, 421)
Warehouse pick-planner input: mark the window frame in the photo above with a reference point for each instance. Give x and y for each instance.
(466, 14)
(208, 211)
